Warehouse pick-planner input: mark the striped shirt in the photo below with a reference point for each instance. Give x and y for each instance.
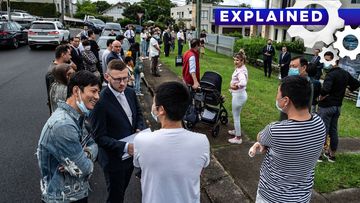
(287, 171)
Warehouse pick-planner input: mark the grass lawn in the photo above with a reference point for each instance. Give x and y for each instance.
(260, 109)
(344, 173)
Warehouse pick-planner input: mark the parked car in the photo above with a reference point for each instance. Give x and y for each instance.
(102, 44)
(19, 16)
(47, 33)
(96, 25)
(138, 28)
(112, 26)
(12, 34)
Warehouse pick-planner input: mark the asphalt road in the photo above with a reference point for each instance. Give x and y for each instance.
(23, 112)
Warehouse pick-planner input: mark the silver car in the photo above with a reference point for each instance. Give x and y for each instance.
(102, 44)
(112, 26)
(47, 33)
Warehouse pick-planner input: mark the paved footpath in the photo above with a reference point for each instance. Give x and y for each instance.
(232, 175)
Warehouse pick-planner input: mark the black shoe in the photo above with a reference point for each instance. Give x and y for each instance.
(157, 75)
(320, 159)
(329, 157)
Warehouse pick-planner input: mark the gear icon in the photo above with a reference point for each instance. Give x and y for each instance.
(340, 35)
(326, 49)
(326, 34)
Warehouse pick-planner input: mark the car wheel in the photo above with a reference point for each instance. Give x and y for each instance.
(15, 43)
(32, 47)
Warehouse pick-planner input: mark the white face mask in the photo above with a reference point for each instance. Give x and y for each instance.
(81, 105)
(278, 107)
(155, 117)
(87, 48)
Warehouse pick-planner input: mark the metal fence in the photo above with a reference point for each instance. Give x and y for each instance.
(221, 44)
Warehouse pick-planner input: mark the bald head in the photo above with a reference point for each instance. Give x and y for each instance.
(116, 46)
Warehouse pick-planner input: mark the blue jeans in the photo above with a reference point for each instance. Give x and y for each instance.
(330, 116)
(137, 83)
(143, 48)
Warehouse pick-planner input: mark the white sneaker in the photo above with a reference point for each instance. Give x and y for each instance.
(235, 140)
(231, 132)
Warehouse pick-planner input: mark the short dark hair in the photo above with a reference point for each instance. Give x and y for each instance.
(329, 53)
(298, 89)
(311, 70)
(318, 50)
(120, 37)
(116, 64)
(175, 99)
(86, 43)
(128, 59)
(109, 41)
(194, 42)
(90, 32)
(59, 73)
(303, 61)
(72, 38)
(82, 79)
(61, 49)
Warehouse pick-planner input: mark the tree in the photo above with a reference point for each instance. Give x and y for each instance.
(85, 8)
(131, 11)
(101, 6)
(154, 9)
(216, 2)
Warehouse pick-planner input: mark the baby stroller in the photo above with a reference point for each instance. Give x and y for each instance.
(207, 104)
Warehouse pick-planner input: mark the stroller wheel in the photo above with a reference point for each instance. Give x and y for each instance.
(224, 117)
(188, 125)
(215, 130)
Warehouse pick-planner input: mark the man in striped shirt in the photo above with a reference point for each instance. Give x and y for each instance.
(292, 146)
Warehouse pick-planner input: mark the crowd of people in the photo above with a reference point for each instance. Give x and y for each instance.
(87, 125)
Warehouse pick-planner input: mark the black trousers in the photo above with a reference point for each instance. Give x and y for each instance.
(154, 64)
(284, 71)
(167, 49)
(267, 67)
(117, 181)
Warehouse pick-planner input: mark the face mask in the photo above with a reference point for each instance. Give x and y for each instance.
(294, 71)
(82, 106)
(155, 117)
(278, 107)
(327, 66)
(87, 48)
(269, 43)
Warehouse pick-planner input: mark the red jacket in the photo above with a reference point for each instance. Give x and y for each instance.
(185, 71)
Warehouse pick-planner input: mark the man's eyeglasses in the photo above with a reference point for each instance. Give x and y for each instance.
(118, 80)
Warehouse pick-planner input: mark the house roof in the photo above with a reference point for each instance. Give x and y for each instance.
(113, 6)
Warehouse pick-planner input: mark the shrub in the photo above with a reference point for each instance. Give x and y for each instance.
(235, 34)
(125, 21)
(296, 46)
(252, 47)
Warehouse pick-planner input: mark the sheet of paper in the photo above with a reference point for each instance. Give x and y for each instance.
(130, 139)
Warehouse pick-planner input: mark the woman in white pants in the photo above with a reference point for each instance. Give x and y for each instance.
(238, 84)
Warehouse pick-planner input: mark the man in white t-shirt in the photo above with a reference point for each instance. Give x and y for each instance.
(154, 53)
(172, 158)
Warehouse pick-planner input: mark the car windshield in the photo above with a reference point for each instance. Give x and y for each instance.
(97, 21)
(113, 26)
(102, 42)
(44, 26)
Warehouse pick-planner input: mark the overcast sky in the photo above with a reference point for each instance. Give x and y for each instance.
(253, 3)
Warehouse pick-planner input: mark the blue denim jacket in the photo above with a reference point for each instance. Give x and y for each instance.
(60, 145)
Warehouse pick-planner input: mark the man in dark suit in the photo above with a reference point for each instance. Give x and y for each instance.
(115, 52)
(316, 60)
(75, 53)
(116, 116)
(268, 52)
(284, 62)
(167, 42)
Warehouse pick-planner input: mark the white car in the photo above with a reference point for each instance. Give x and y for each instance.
(18, 16)
(112, 26)
(47, 33)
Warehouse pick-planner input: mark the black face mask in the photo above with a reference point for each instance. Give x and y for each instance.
(269, 43)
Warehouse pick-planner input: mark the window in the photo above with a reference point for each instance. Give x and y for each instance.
(276, 34)
(355, 1)
(284, 35)
(204, 15)
(190, 12)
(204, 27)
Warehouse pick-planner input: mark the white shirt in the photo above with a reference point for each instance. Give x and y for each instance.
(143, 36)
(129, 34)
(180, 35)
(103, 60)
(153, 50)
(192, 64)
(171, 161)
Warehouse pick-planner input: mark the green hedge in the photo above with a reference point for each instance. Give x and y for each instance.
(235, 34)
(46, 10)
(296, 46)
(252, 47)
